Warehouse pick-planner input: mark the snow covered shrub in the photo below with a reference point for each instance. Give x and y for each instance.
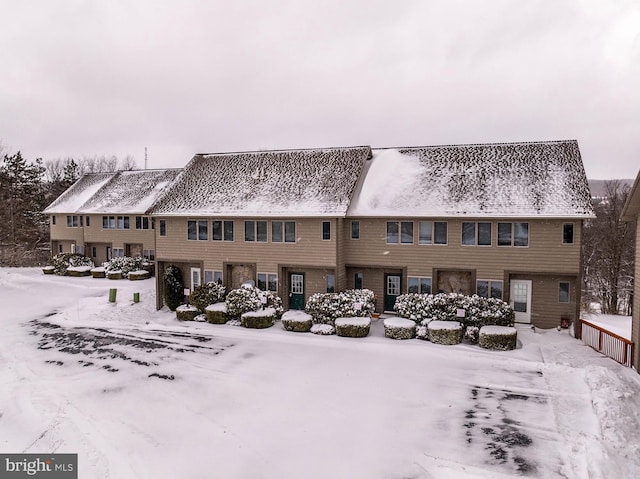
(186, 312)
(323, 329)
(206, 294)
(216, 313)
(261, 319)
(498, 338)
(173, 287)
(249, 298)
(62, 261)
(353, 327)
(399, 328)
(138, 275)
(297, 321)
(445, 332)
(327, 307)
(124, 264)
(471, 334)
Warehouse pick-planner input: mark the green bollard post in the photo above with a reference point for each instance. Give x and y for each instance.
(112, 295)
(136, 297)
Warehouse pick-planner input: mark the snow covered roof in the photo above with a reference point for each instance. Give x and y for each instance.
(541, 179)
(131, 192)
(119, 192)
(285, 183)
(631, 208)
(79, 193)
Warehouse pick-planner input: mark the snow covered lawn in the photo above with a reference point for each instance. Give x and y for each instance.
(138, 394)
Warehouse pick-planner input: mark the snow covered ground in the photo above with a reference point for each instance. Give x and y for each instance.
(620, 325)
(139, 395)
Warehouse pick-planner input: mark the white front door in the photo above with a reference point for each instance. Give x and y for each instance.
(195, 278)
(520, 299)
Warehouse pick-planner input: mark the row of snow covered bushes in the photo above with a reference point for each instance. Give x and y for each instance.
(470, 310)
(327, 307)
(63, 261)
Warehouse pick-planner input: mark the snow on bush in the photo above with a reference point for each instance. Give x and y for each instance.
(62, 261)
(399, 328)
(297, 321)
(249, 298)
(216, 313)
(186, 312)
(498, 338)
(327, 307)
(125, 264)
(353, 327)
(323, 329)
(206, 294)
(445, 332)
(261, 319)
(173, 287)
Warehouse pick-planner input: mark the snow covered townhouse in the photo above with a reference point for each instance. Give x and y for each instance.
(499, 220)
(631, 212)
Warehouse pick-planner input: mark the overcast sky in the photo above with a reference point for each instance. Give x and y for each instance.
(81, 78)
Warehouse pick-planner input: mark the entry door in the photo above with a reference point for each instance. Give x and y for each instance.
(296, 291)
(520, 299)
(196, 278)
(392, 287)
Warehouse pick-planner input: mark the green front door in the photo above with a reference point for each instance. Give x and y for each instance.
(296, 291)
(392, 286)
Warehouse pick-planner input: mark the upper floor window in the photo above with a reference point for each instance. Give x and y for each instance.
(419, 285)
(223, 230)
(283, 231)
(400, 232)
(513, 234)
(355, 230)
(163, 227)
(73, 222)
(87, 222)
(143, 223)
(432, 232)
(326, 230)
(489, 288)
(476, 234)
(53, 219)
(198, 230)
(115, 222)
(567, 233)
(255, 231)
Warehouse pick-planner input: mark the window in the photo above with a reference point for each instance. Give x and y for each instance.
(163, 227)
(357, 281)
(255, 231)
(432, 232)
(222, 230)
(198, 230)
(117, 253)
(115, 222)
(567, 233)
(72, 221)
(331, 283)
(59, 248)
(489, 288)
(283, 231)
(326, 230)
(419, 285)
(53, 219)
(80, 249)
(94, 252)
(268, 281)
(476, 234)
(80, 218)
(149, 253)
(355, 230)
(213, 276)
(87, 223)
(513, 234)
(563, 292)
(142, 223)
(400, 232)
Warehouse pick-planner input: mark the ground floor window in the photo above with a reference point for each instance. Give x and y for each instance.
(489, 288)
(149, 253)
(357, 281)
(213, 276)
(331, 283)
(563, 292)
(419, 285)
(117, 253)
(268, 282)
